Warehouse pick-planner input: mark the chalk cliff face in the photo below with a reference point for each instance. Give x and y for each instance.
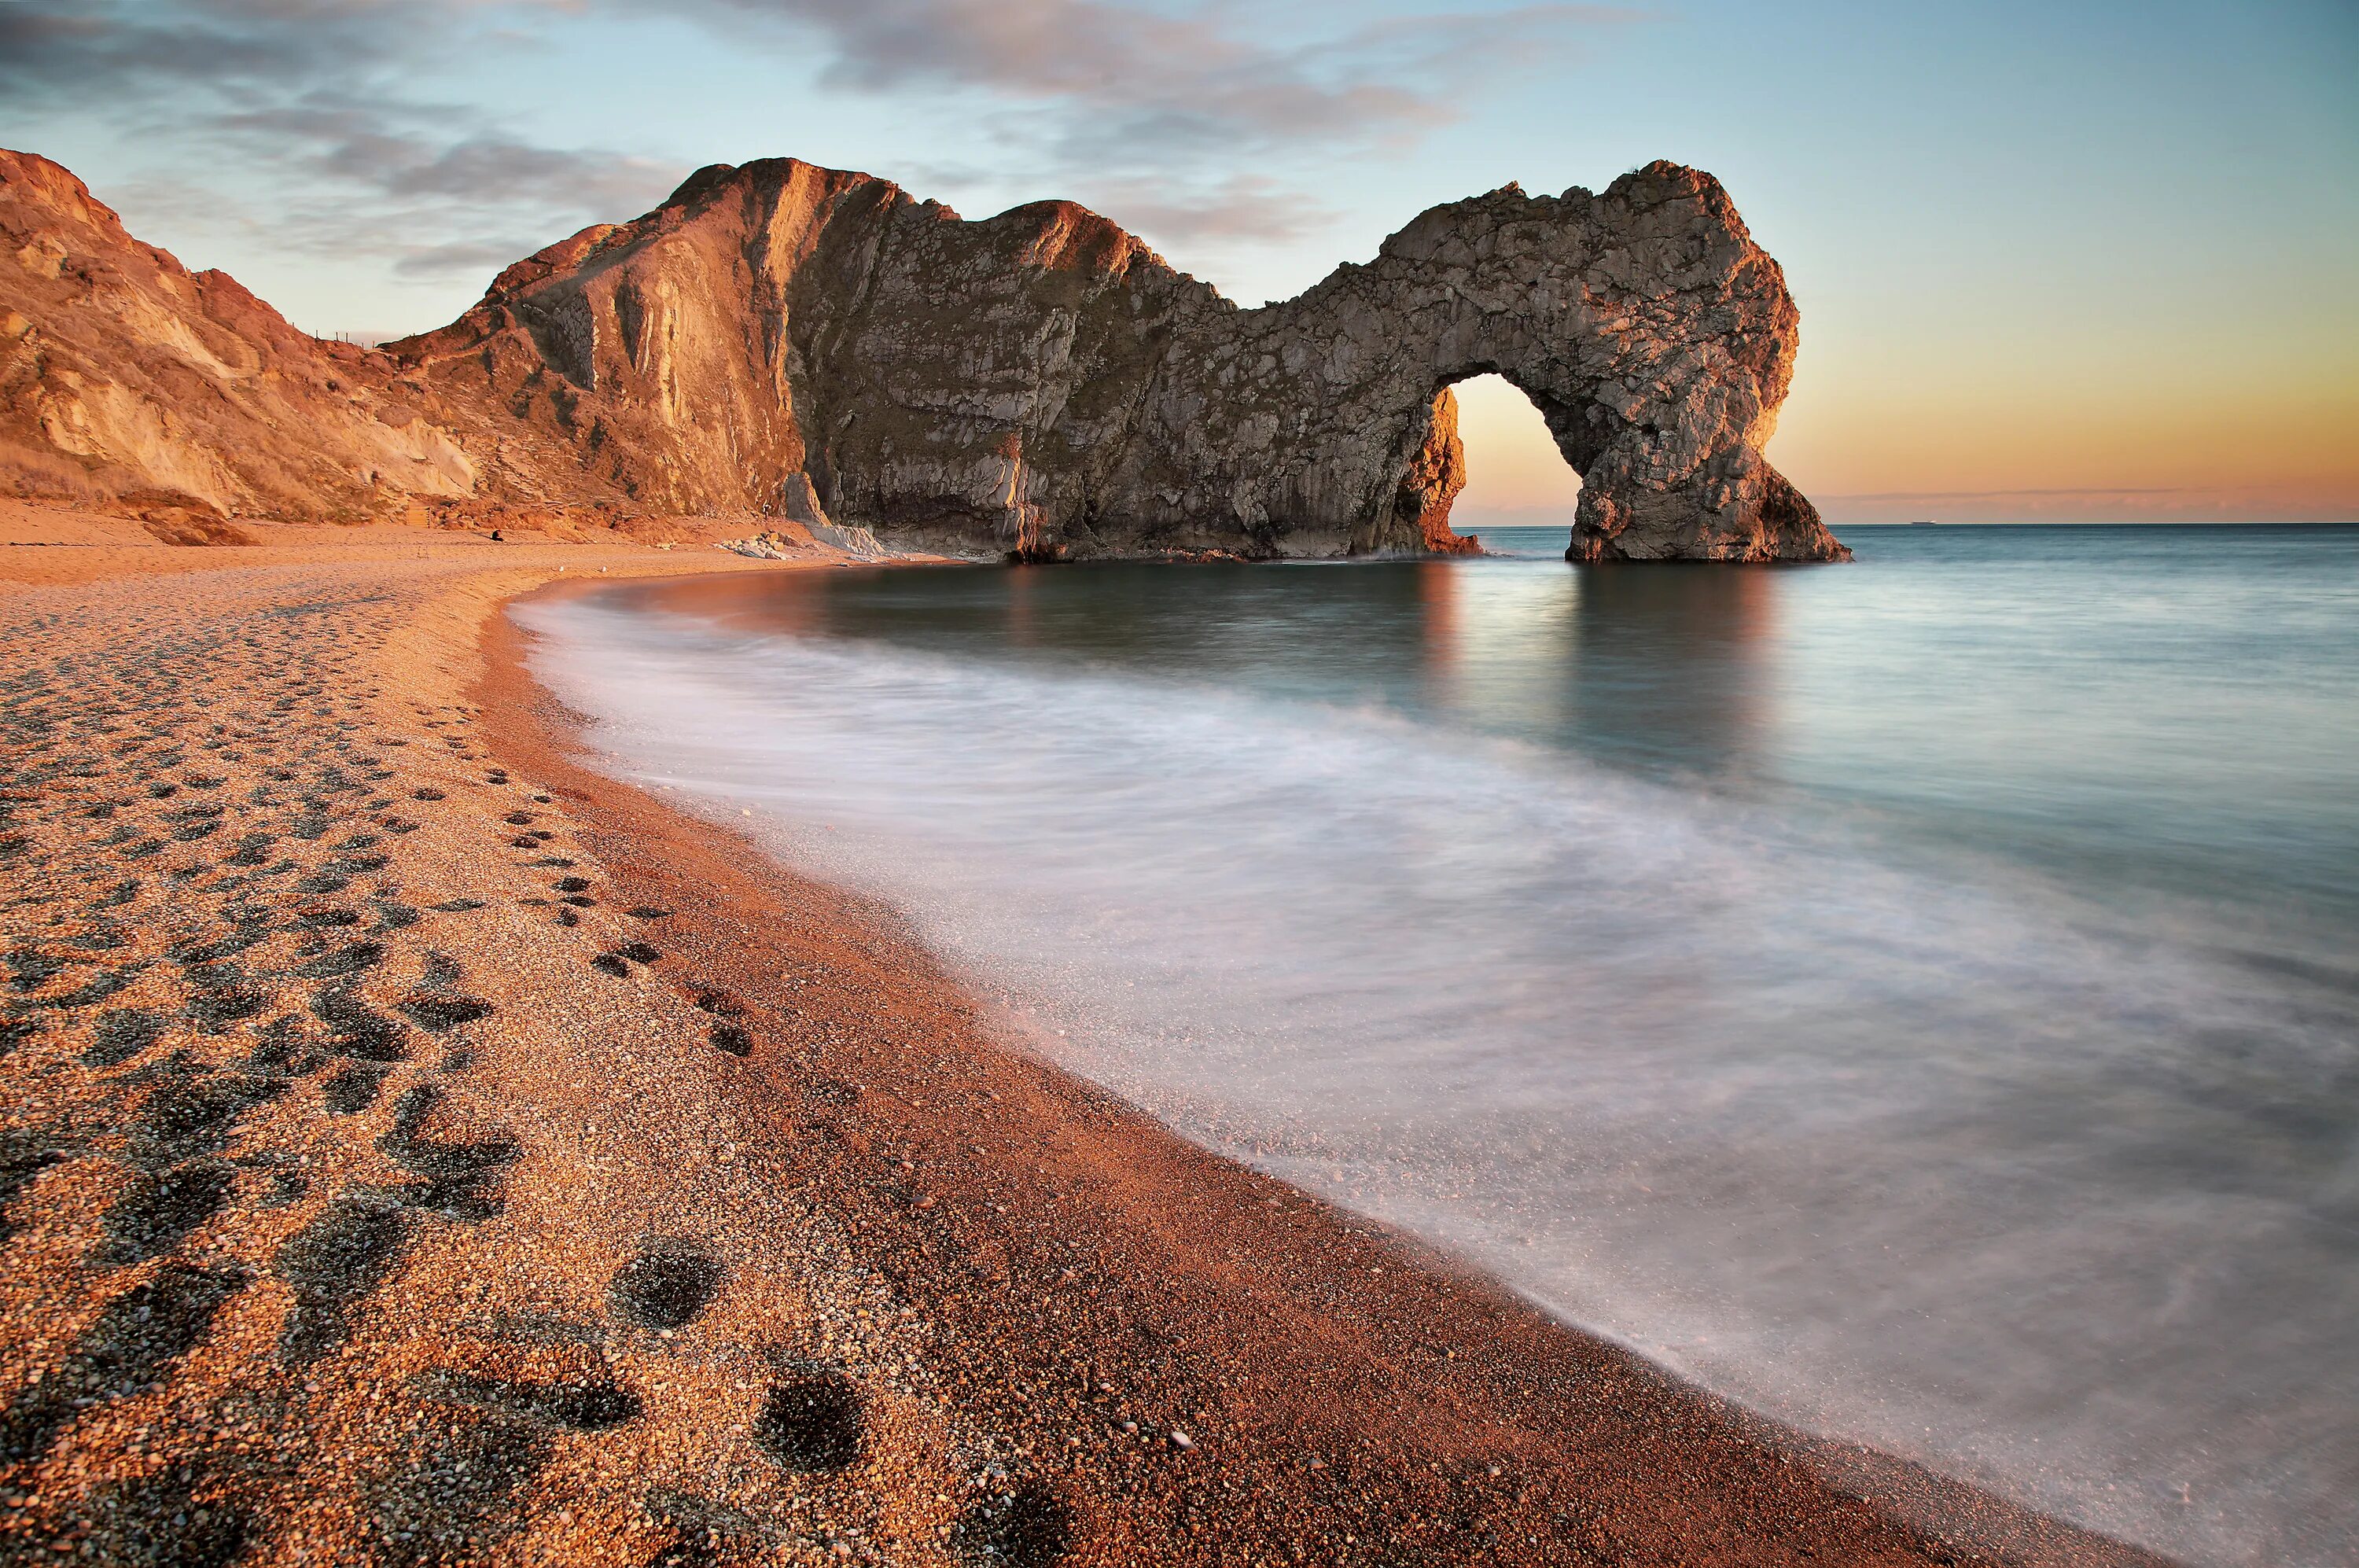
(1037, 382)
(126, 379)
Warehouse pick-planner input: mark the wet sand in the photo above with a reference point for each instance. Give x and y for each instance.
(417, 1147)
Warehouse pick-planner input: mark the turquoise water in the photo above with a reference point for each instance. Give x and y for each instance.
(1919, 997)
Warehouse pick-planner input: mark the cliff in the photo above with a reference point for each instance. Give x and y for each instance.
(129, 381)
(1038, 381)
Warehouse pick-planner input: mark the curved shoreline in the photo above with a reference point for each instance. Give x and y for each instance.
(1309, 1320)
(368, 1042)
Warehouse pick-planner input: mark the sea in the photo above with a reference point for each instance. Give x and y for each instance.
(1918, 999)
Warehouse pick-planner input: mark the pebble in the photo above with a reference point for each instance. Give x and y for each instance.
(696, 1384)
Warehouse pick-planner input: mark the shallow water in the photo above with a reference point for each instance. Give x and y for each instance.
(1919, 997)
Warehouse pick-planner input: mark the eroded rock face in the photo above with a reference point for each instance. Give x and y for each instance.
(781, 336)
(1655, 337)
(127, 379)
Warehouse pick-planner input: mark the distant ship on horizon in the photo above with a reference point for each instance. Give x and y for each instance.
(1922, 522)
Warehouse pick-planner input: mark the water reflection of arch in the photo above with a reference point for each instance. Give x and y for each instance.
(1673, 666)
(1442, 631)
(1665, 669)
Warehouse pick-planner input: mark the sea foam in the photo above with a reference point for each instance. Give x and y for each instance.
(1924, 1152)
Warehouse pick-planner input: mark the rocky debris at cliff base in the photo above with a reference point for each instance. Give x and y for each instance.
(857, 542)
(766, 547)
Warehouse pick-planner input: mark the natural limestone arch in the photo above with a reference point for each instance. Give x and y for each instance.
(1040, 382)
(1654, 337)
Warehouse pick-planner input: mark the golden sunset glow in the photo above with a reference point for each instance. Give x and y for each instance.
(2094, 447)
(1514, 472)
(2063, 263)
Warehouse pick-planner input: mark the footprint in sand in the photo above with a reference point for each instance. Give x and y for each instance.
(667, 1286)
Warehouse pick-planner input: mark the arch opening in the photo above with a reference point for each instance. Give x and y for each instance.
(1517, 477)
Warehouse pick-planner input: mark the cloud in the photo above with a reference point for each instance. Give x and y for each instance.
(1111, 72)
(311, 95)
(1200, 126)
(1238, 207)
(461, 258)
(1207, 127)
(231, 45)
(1127, 80)
(490, 168)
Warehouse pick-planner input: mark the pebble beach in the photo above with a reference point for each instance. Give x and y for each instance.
(417, 1147)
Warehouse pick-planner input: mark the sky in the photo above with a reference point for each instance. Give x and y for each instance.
(2055, 261)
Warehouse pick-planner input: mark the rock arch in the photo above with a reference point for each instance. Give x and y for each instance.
(1516, 474)
(1039, 381)
(1655, 339)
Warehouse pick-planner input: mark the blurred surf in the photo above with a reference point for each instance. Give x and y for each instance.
(1917, 998)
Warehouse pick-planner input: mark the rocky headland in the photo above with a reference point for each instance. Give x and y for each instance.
(418, 1148)
(784, 340)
